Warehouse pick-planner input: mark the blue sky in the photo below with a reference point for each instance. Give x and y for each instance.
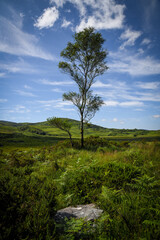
(32, 35)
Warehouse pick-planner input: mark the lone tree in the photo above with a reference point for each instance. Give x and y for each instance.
(61, 124)
(84, 61)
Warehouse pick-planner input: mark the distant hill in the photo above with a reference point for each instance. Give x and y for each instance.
(43, 128)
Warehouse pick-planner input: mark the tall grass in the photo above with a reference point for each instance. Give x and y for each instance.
(122, 178)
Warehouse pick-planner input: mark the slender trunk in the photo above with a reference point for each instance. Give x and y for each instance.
(82, 140)
(70, 136)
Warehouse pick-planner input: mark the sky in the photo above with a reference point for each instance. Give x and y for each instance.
(34, 32)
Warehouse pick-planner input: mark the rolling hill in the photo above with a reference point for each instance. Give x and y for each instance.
(41, 133)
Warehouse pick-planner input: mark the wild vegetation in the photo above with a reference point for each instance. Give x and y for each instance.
(121, 177)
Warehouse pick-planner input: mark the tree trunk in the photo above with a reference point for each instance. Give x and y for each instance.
(70, 136)
(82, 140)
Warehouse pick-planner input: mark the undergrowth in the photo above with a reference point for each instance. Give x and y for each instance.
(121, 178)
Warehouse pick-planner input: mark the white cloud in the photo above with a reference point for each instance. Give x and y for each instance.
(27, 87)
(57, 90)
(25, 94)
(14, 40)
(68, 109)
(146, 41)
(111, 84)
(19, 66)
(19, 109)
(3, 100)
(150, 9)
(98, 14)
(111, 103)
(130, 36)
(123, 104)
(22, 15)
(148, 85)
(103, 119)
(131, 104)
(99, 84)
(140, 51)
(105, 15)
(156, 116)
(115, 120)
(121, 95)
(141, 96)
(55, 83)
(59, 3)
(2, 74)
(65, 23)
(56, 103)
(48, 18)
(133, 64)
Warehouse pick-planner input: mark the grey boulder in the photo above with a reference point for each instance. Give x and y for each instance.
(89, 212)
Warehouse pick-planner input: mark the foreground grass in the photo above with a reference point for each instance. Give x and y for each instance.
(122, 178)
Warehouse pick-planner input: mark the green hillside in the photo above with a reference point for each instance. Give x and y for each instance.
(42, 134)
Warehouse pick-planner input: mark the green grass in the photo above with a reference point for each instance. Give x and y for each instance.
(42, 134)
(122, 178)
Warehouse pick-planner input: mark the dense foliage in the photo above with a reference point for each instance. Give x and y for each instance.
(122, 178)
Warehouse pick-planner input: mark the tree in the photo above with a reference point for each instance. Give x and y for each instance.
(61, 124)
(85, 60)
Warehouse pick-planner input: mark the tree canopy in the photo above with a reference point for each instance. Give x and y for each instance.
(63, 125)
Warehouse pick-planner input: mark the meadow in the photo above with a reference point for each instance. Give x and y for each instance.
(119, 173)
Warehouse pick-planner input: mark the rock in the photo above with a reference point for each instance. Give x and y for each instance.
(89, 212)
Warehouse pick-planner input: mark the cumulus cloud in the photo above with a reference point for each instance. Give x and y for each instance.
(48, 18)
(129, 37)
(98, 14)
(105, 15)
(14, 40)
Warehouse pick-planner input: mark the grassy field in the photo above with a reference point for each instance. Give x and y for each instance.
(41, 134)
(41, 173)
